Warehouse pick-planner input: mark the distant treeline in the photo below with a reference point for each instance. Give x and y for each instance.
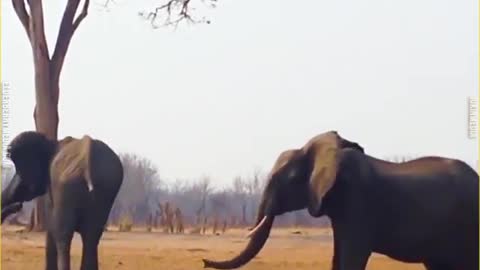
(144, 189)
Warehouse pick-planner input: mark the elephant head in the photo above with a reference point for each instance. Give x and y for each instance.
(300, 179)
(31, 153)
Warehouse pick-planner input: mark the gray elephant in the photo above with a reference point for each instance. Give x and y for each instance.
(81, 178)
(421, 211)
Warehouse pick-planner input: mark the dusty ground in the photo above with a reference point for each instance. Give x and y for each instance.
(312, 249)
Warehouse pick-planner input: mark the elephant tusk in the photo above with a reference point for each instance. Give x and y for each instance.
(90, 186)
(254, 230)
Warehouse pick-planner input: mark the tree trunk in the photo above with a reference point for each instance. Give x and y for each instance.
(46, 122)
(46, 96)
(244, 214)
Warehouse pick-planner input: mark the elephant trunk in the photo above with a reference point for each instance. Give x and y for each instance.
(9, 205)
(9, 190)
(259, 236)
(5, 199)
(251, 250)
(10, 209)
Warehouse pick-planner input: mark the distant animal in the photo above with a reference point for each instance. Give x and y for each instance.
(421, 211)
(81, 178)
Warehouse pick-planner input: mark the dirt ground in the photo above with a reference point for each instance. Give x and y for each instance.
(310, 249)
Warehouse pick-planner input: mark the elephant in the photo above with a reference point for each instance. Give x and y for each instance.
(420, 211)
(81, 179)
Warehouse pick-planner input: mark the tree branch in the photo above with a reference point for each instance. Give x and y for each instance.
(175, 12)
(82, 15)
(19, 7)
(65, 34)
(37, 30)
(41, 58)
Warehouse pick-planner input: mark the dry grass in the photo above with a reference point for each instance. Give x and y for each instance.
(309, 249)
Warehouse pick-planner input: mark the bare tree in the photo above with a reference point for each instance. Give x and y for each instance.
(169, 217)
(47, 68)
(140, 187)
(219, 203)
(179, 223)
(253, 187)
(240, 192)
(204, 188)
(177, 187)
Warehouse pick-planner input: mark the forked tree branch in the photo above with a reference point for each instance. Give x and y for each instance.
(37, 32)
(19, 7)
(65, 34)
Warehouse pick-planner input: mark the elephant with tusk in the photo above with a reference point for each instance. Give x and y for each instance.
(81, 178)
(421, 211)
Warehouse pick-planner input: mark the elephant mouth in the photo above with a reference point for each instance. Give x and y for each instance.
(10, 209)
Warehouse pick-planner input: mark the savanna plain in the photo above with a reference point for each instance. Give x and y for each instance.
(286, 249)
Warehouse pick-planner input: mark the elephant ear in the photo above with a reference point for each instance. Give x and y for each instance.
(73, 160)
(323, 152)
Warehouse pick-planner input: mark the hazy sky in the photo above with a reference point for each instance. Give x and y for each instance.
(265, 76)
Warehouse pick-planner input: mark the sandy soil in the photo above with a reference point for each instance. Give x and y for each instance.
(311, 249)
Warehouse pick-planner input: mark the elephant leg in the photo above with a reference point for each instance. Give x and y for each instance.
(89, 251)
(51, 253)
(351, 248)
(335, 254)
(63, 250)
(63, 229)
(92, 229)
(350, 257)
